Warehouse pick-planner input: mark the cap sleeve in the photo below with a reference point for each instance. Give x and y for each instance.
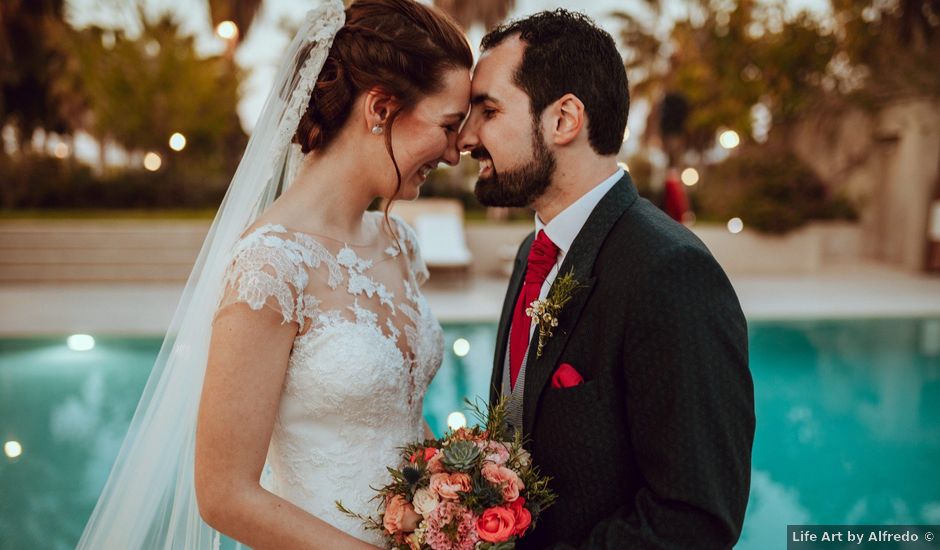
(409, 240)
(266, 272)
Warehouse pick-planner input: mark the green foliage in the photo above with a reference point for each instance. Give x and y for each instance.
(895, 45)
(483, 494)
(38, 182)
(772, 193)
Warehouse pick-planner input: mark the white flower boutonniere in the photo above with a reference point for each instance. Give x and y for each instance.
(545, 312)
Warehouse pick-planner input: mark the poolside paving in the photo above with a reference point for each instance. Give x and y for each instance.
(857, 290)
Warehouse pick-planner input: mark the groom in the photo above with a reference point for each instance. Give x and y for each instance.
(640, 403)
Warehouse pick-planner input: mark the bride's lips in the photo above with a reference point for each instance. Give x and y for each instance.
(424, 171)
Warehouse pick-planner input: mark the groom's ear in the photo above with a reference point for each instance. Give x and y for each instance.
(378, 105)
(566, 118)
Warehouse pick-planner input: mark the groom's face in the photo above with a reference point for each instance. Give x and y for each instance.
(516, 165)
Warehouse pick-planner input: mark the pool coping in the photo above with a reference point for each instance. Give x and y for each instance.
(853, 292)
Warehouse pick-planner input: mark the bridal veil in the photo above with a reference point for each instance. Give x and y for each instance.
(149, 500)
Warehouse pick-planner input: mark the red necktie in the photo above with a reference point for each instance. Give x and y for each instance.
(542, 257)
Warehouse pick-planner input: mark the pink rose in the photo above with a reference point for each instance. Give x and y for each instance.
(496, 452)
(522, 516)
(506, 478)
(448, 485)
(496, 524)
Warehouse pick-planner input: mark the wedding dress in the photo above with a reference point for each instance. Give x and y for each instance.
(367, 347)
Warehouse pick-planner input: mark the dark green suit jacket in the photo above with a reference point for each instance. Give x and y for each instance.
(653, 450)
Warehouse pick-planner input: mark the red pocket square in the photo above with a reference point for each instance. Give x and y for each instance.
(566, 377)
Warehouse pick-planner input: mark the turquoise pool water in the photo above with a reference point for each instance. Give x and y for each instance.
(848, 424)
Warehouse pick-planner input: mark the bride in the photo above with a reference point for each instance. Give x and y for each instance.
(301, 350)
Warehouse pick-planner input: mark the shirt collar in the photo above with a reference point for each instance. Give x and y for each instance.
(564, 227)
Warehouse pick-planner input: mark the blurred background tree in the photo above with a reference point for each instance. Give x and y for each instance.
(131, 94)
(489, 13)
(142, 90)
(752, 68)
(33, 55)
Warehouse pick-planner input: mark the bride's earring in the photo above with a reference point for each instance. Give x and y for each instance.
(376, 130)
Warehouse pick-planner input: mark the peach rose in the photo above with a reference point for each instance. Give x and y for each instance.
(521, 515)
(496, 524)
(506, 478)
(425, 501)
(448, 485)
(395, 510)
(463, 434)
(434, 463)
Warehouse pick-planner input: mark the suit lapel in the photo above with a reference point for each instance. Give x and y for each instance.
(505, 320)
(580, 261)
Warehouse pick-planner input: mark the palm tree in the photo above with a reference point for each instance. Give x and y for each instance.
(32, 57)
(469, 12)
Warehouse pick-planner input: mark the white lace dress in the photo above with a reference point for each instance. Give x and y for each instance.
(366, 350)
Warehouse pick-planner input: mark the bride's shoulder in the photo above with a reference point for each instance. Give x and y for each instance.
(273, 242)
(261, 228)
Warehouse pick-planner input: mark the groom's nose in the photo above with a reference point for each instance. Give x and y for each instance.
(468, 138)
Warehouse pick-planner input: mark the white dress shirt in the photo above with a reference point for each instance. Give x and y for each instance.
(564, 227)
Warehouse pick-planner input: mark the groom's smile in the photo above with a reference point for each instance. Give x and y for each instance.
(486, 162)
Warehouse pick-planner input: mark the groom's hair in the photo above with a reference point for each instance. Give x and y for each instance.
(565, 52)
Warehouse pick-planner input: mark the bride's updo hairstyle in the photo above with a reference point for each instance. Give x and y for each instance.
(399, 46)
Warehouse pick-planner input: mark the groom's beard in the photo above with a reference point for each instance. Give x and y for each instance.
(519, 186)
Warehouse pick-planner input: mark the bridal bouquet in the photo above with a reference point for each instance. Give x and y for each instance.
(473, 489)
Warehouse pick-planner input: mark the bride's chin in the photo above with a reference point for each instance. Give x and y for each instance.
(409, 195)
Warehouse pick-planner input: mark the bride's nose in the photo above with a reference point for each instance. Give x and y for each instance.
(451, 154)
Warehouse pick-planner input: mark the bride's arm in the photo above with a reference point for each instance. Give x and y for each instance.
(247, 362)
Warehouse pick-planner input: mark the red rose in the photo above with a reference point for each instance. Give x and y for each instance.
(496, 524)
(521, 516)
(429, 453)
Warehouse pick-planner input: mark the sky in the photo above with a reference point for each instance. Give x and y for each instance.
(261, 49)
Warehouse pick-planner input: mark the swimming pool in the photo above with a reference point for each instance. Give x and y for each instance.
(848, 423)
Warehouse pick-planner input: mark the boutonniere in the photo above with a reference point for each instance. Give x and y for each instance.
(545, 312)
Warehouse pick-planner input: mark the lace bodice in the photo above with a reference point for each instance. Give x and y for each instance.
(367, 347)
